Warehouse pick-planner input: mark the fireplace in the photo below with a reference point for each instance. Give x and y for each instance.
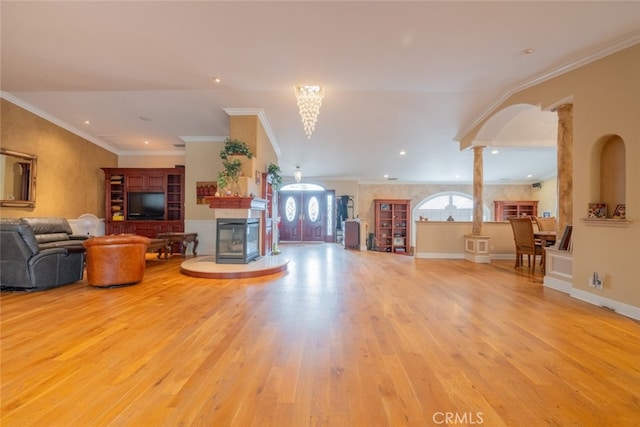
(237, 240)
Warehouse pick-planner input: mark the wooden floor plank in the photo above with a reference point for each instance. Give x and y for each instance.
(342, 338)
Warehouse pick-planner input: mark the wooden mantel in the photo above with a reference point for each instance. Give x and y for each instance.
(230, 202)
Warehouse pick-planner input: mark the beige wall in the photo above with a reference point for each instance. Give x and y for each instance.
(605, 96)
(69, 179)
(547, 197)
(436, 239)
(203, 164)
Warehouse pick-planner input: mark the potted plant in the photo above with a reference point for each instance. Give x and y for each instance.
(235, 147)
(273, 171)
(231, 167)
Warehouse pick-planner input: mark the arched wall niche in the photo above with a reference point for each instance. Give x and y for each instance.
(608, 161)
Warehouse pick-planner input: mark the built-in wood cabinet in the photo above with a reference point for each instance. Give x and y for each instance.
(393, 225)
(153, 180)
(125, 192)
(505, 209)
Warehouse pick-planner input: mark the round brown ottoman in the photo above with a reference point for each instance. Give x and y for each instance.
(116, 260)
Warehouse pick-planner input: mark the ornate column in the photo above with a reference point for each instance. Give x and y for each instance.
(565, 166)
(478, 179)
(476, 246)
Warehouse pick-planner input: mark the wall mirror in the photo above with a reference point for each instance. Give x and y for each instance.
(17, 179)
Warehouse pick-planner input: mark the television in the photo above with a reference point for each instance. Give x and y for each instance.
(145, 206)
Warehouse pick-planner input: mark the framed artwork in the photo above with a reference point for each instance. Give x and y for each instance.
(620, 212)
(565, 242)
(597, 210)
(258, 177)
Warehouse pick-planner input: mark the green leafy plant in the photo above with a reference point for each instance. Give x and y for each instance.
(231, 168)
(230, 173)
(273, 170)
(237, 147)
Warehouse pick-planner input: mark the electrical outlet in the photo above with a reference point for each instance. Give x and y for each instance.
(595, 281)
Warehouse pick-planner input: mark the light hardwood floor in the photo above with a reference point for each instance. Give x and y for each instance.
(343, 338)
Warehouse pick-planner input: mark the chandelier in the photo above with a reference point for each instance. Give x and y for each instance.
(309, 100)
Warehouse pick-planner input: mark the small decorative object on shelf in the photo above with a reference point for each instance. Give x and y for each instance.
(620, 212)
(597, 210)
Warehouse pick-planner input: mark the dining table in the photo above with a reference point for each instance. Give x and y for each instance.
(547, 238)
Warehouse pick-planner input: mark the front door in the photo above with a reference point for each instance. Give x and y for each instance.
(302, 216)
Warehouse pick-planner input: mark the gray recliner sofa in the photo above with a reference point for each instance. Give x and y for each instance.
(39, 253)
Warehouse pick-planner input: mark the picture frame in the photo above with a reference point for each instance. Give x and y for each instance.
(565, 242)
(620, 212)
(258, 174)
(597, 210)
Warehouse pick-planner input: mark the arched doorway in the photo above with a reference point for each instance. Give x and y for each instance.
(306, 213)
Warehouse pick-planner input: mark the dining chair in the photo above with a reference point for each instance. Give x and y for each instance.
(545, 224)
(525, 242)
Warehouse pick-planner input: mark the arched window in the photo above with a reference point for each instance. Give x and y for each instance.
(448, 205)
(302, 187)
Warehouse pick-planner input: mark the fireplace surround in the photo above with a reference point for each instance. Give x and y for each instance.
(237, 240)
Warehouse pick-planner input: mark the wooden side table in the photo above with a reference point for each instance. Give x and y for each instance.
(162, 246)
(184, 239)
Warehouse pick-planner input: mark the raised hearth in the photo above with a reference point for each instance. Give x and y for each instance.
(206, 267)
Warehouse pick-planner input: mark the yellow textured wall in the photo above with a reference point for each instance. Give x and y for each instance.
(250, 130)
(69, 179)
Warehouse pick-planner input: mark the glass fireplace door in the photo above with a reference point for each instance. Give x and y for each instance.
(237, 240)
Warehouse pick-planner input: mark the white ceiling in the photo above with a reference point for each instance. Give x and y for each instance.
(408, 76)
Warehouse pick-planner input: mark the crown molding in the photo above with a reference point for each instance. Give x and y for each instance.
(192, 139)
(263, 120)
(617, 46)
(151, 153)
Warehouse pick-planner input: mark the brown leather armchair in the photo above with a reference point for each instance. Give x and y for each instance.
(116, 260)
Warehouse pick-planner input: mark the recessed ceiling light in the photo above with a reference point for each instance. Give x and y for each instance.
(494, 152)
(457, 176)
(529, 51)
(216, 79)
(529, 176)
(145, 118)
(87, 122)
(386, 175)
(402, 153)
(146, 142)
